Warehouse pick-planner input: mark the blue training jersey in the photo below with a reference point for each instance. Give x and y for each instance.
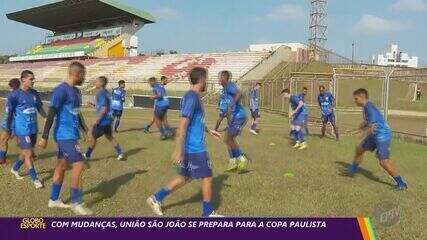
(192, 108)
(224, 102)
(3, 123)
(294, 102)
(118, 97)
(67, 101)
(24, 105)
(238, 111)
(254, 99)
(302, 97)
(162, 100)
(326, 103)
(373, 115)
(103, 99)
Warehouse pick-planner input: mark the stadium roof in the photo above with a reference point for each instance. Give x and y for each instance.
(61, 16)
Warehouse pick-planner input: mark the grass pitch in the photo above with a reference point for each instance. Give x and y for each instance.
(280, 181)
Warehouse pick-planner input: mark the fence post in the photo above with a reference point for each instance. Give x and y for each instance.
(387, 92)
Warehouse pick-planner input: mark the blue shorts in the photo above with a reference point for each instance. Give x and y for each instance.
(383, 147)
(329, 118)
(196, 166)
(235, 126)
(27, 142)
(117, 113)
(299, 120)
(99, 131)
(69, 150)
(160, 112)
(255, 113)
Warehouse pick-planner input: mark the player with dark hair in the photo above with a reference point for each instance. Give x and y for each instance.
(164, 81)
(64, 110)
(302, 96)
(378, 136)
(190, 152)
(254, 107)
(103, 123)
(298, 118)
(118, 98)
(327, 104)
(5, 135)
(161, 106)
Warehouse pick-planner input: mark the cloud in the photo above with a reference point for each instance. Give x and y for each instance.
(409, 5)
(284, 12)
(166, 13)
(373, 25)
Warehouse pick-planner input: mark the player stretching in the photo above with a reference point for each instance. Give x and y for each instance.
(103, 123)
(327, 104)
(236, 117)
(118, 96)
(65, 111)
(378, 137)
(5, 135)
(302, 97)
(254, 107)
(161, 105)
(298, 118)
(147, 127)
(191, 153)
(23, 105)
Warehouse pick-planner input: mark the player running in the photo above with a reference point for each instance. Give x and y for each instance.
(298, 118)
(6, 135)
(118, 96)
(327, 104)
(65, 111)
(164, 80)
(190, 152)
(103, 123)
(378, 137)
(161, 106)
(23, 105)
(236, 117)
(254, 107)
(306, 112)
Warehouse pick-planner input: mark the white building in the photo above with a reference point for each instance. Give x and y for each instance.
(396, 58)
(299, 51)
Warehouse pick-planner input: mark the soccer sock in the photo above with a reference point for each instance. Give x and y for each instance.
(76, 195)
(306, 131)
(235, 152)
(116, 125)
(118, 149)
(300, 135)
(399, 180)
(207, 209)
(162, 131)
(162, 194)
(2, 154)
(56, 189)
(33, 174)
(17, 165)
(354, 167)
(89, 152)
(294, 134)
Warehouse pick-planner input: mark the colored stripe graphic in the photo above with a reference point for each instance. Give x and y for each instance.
(366, 228)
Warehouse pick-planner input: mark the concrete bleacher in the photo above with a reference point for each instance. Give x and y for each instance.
(139, 69)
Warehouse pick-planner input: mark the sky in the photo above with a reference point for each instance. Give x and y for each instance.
(231, 25)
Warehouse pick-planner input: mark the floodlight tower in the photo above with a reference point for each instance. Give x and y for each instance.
(318, 26)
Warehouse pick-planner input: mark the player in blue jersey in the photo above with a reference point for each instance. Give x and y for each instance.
(161, 106)
(5, 135)
(23, 105)
(297, 109)
(64, 110)
(254, 107)
(103, 123)
(190, 152)
(118, 97)
(236, 117)
(327, 104)
(302, 96)
(378, 137)
(224, 101)
(165, 81)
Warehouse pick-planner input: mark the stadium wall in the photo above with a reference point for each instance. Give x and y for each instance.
(267, 65)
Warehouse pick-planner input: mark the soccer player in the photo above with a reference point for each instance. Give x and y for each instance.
(327, 104)
(378, 137)
(298, 118)
(118, 96)
(161, 106)
(224, 101)
(23, 105)
(254, 107)
(103, 123)
(236, 117)
(306, 112)
(65, 111)
(164, 80)
(5, 135)
(190, 152)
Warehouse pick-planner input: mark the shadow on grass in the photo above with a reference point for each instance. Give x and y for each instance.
(107, 189)
(127, 153)
(366, 173)
(217, 185)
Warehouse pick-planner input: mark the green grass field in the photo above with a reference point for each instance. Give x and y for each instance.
(313, 186)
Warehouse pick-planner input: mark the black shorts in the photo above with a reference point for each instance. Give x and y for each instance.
(99, 131)
(117, 113)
